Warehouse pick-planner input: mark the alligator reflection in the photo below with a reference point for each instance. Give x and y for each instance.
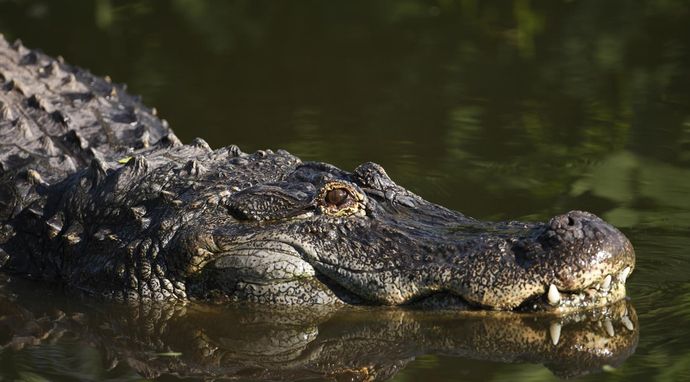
(355, 343)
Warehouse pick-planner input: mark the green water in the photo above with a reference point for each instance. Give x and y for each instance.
(502, 110)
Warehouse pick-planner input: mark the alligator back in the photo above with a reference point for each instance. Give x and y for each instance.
(56, 118)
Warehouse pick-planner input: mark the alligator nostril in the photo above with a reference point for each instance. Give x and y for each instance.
(560, 222)
(571, 221)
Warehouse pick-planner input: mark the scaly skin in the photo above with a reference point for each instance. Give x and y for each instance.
(97, 193)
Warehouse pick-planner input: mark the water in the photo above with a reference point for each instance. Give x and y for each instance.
(502, 110)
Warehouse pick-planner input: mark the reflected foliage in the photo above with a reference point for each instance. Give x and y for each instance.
(646, 192)
(489, 82)
(519, 109)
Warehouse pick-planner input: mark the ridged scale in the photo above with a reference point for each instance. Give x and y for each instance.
(55, 119)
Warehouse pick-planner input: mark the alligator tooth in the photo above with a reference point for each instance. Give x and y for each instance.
(624, 274)
(34, 177)
(555, 332)
(6, 113)
(627, 323)
(553, 296)
(608, 326)
(606, 284)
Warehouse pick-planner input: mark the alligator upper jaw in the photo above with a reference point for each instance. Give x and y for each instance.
(602, 292)
(495, 271)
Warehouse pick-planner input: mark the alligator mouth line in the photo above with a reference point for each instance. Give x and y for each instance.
(603, 292)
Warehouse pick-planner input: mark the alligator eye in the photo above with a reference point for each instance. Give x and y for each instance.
(337, 196)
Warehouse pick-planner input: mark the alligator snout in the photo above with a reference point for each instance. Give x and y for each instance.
(574, 260)
(584, 261)
(583, 240)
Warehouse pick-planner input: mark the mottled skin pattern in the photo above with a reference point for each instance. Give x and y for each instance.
(97, 193)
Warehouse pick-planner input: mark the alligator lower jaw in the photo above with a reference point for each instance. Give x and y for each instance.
(604, 292)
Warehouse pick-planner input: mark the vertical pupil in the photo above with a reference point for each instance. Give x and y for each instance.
(337, 196)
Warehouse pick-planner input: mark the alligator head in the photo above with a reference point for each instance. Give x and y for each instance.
(316, 234)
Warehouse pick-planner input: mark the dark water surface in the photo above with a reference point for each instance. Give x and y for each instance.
(502, 110)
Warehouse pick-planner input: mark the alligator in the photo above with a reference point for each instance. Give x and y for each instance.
(99, 195)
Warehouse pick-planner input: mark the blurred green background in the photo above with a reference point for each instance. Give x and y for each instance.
(500, 109)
